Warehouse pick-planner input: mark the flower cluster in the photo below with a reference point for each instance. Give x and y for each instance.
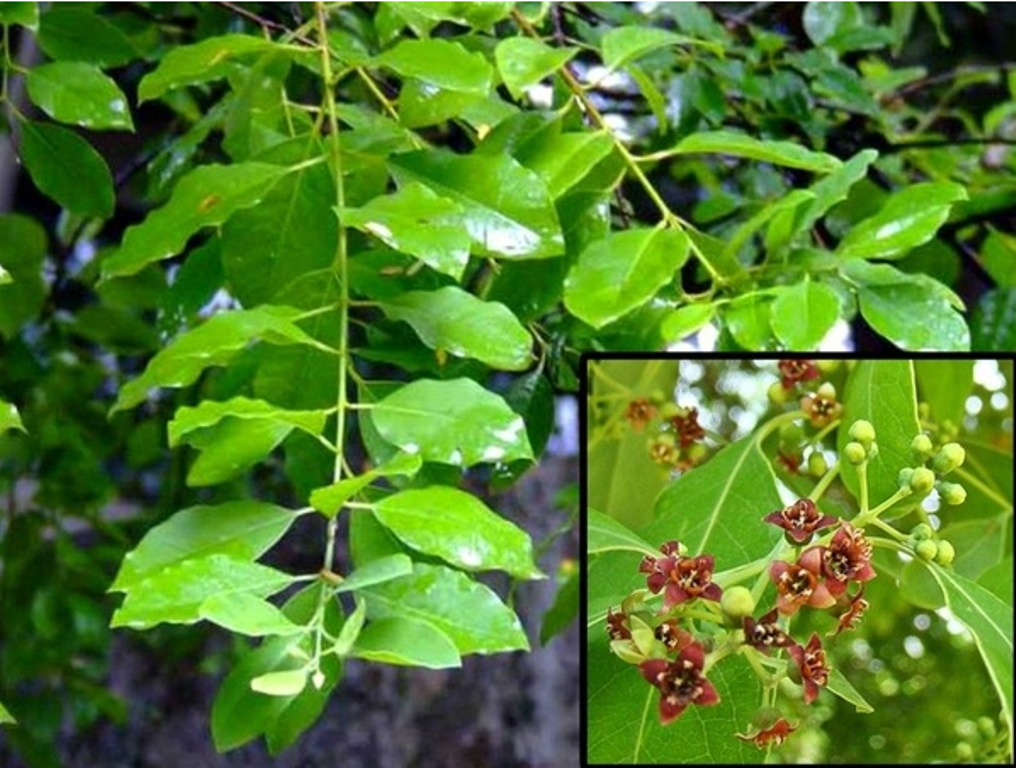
(676, 441)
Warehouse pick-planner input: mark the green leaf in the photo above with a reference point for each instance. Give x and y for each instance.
(65, 168)
(439, 63)
(945, 385)
(241, 529)
(417, 222)
(211, 59)
(81, 34)
(563, 612)
(624, 44)
(748, 319)
(993, 325)
(468, 612)
(505, 207)
(240, 714)
(605, 533)
(22, 252)
(351, 628)
(231, 447)
(377, 572)
(209, 413)
(25, 14)
(176, 593)
(824, 21)
(908, 219)
(883, 393)
(215, 342)
(914, 311)
(685, 320)
(452, 320)
(622, 272)
(205, 197)
(290, 682)
(454, 422)
(246, 614)
(998, 257)
(80, 94)
(745, 232)
(802, 314)
(5, 716)
(739, 145)
(423, 17)
(990, 621)
(330, 499)
(564, 159)
(10, 418)
(405, 641)
(459, 528)
(524, 62)
(840, 686)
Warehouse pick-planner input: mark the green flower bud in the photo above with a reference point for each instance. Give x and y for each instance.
(627, 651)
(945, 553)
(736, 603)
(952, 493)
(791, 433)
(921, 448)
(862, 432)
(827, 366)
(903, 478)
(948, 429)
(855, 453)
(921, 531)
(964, 751)
(827, 390)
(669, 410)
(656, 397)
(923, 411)
(922, 481)
(777, 395)
(949, 456)
(817, 464)
(986, 726)
(926, 550)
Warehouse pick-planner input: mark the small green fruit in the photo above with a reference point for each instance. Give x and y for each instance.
(903, 478)
(791, 433)
(776, 393)
(926, 550)
(737, 603)
(817, 464)
(945, 553)
(949, 456)
(986, 726)
(669, 410)
(862, 432)
(964, 751)
(922, 481)
(855, 453)
(921, 531)
(952, 493)
(827, 390)
(921, 448)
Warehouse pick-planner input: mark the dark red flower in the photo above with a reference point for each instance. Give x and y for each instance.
(800, 584)
(673, 637)
(639, 412)
(800, 520)
(685, 424)
(848, 557)
(775, 734)
(850, 618)
(680, 682)
(683, 579)
(821, 410)
(791, 461)
(811, 661)
(663, 450)
(765, 634)
(616, 626)
(795, 371)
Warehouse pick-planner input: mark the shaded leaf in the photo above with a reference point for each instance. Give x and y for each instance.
(5, 716)
(81, 34)
(624, 44)
(80, 94)
(330, 499)
(605, 533)
(740, 145)
(67, 169)
(993, 325)
(377, 572)
(563, 612)
(232, 446)
(10, 418)
(22, 252)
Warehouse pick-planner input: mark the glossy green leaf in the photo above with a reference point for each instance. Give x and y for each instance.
(455, 321)
(945, 385)
(998, 257)
(67, 169)
(423, 17)
(459, 528)
(241, 529)
(25, 14)
(605, 533)
(563, 612)
(744, 233)
(564, 159)
(232, 446)
(408, 642)
(828, 191)
(914, 311)
(624, 44)
(622, 272)
(524, 62)
(748, 318)
(418, 222)
(455, 422)
(22, 252)
(980, 543)
(422, 104)
(468, 612)
(908, 219)
(240, 714)
(207, 196)
(993, 325)
(840, 686)
(802, 315)
(10, 418)
(215, 342)
(81, 34)
(351, 628)
(5, 716)
(209, 413)
(686, 320)
(999, 579)
(506, 207)
(376, 572)
(176, 593)
(740, 145)
(883, 393)
(80, 94)
(211, 59)
(290, 682)
(246, 614)
(825, 21)
(441, 63)
(330, 499)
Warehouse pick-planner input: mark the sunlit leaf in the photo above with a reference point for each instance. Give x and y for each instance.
(406, 641)
(80, 94)
(740, 145)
